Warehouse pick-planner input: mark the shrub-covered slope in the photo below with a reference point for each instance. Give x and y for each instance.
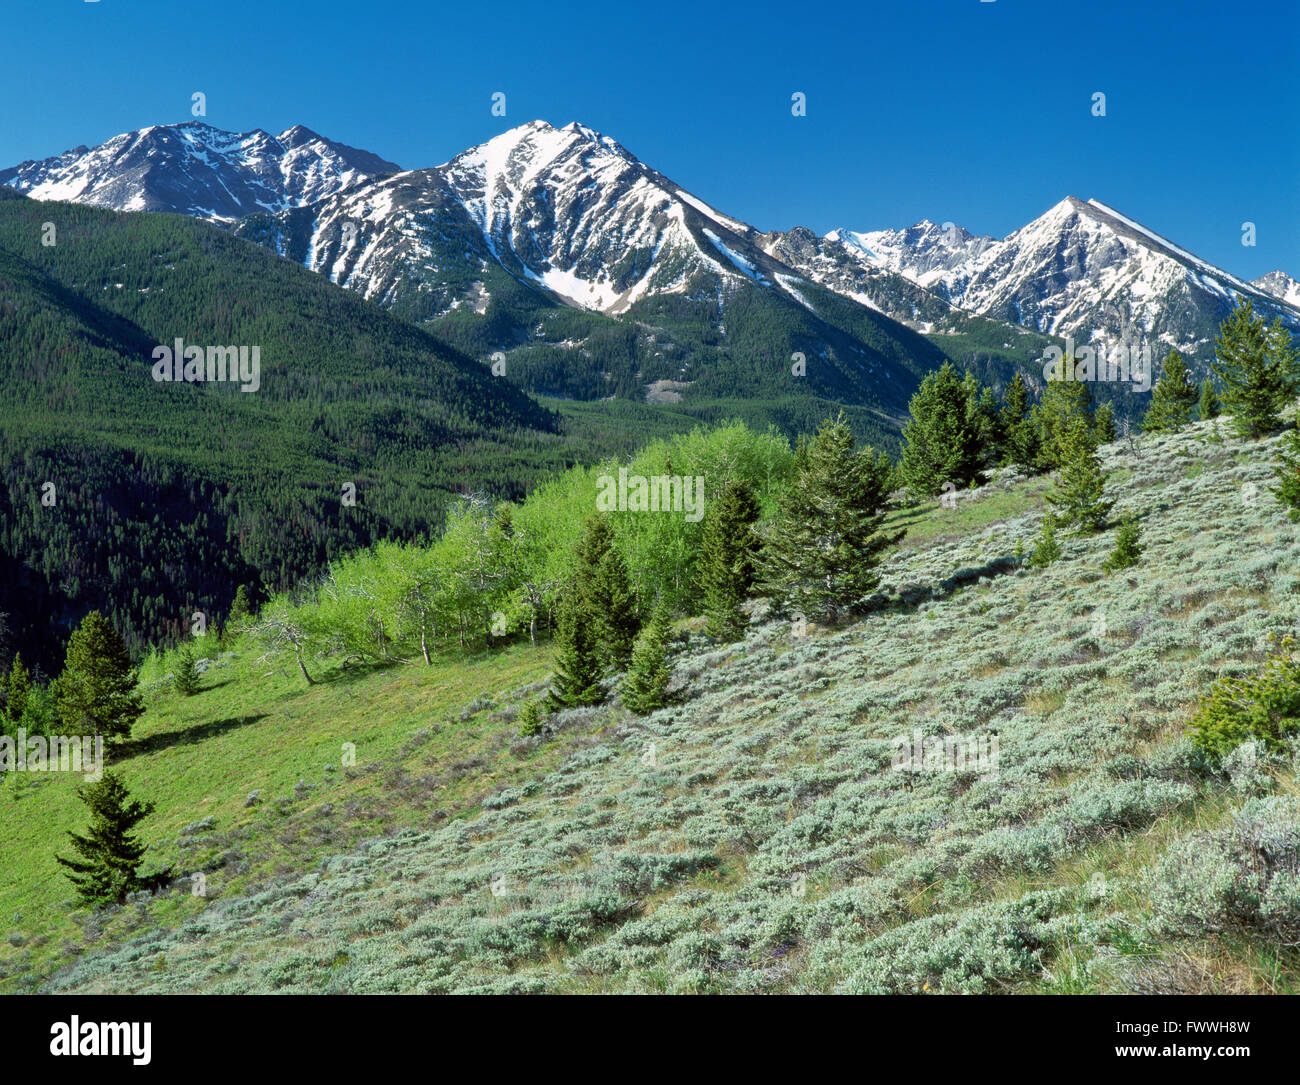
(756, 834)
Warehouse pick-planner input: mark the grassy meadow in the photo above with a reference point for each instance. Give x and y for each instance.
(757, 834)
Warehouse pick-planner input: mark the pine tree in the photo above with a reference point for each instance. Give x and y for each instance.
(185, 672)
(531, 718)
(1061, 405)
(577, 662)
(1103, 424)
(942, 440)
(983, 419)
(241, 610)
(1046, 549)
(646, 686)
(1128, 548)
(1020, 435)
(1257, 367)
(18, 688)
(96, 693)
(1287, 489)
(1207, 406)
(726, 565)
(109, 854)
(821, 553)
(1077, 495)
(601, 581)
(1172, 399)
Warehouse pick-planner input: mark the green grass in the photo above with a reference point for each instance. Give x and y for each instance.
(255, 727)
(675, 873)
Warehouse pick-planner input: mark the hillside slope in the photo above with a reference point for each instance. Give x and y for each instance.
(218, 485)
(755, 836)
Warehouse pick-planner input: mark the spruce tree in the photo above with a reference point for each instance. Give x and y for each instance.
(726, 565)
(1207, 406)
(1256, 365)
(109, 854)
(185, 671)
(1077, 497)
(18, 688)
(1287, 489)
(1128, 548)
(646, 686)
(578, 669)
(601, 581)
(942, 440)
(241, 610)
(1019, 434)
(1172, 399)
(1061, 405)
(821, 553)
(1103, 424)
(531, 718)
(1046, 549)
(96, 693)
(983, 418)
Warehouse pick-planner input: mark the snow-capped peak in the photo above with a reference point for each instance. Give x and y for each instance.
(1081, 268)
(196, 169)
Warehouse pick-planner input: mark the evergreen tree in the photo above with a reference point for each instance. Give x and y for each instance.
(1103, 424)
(983, 418)
(531, 718)
(727, 560)
(646, 686)
(18, 688)
(1287, 489)
(577, 661)
(1208, 405)
(942, 440)
(185, 672)
(96, 693)
(1077, 497)
(1257, 367)
(1172, 399)
(241, 610)
(1128, 548)
(1061, 405)
(1020, 435)
(822, 551)
(1046, 549)
(109, 854)
(605, 592)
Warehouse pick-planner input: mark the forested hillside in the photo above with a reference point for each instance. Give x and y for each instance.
(167, 496)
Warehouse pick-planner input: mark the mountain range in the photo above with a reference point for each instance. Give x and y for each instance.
(500, 247)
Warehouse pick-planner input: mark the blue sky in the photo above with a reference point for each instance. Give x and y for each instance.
(952, 110)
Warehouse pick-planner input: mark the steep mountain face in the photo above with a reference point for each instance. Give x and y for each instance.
(848, 270)
(195, 169)
(488, 245)
(568, 210)
(1280, 285)
(1082, 270)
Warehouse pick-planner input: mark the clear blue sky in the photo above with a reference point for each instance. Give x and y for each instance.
(952, 110)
